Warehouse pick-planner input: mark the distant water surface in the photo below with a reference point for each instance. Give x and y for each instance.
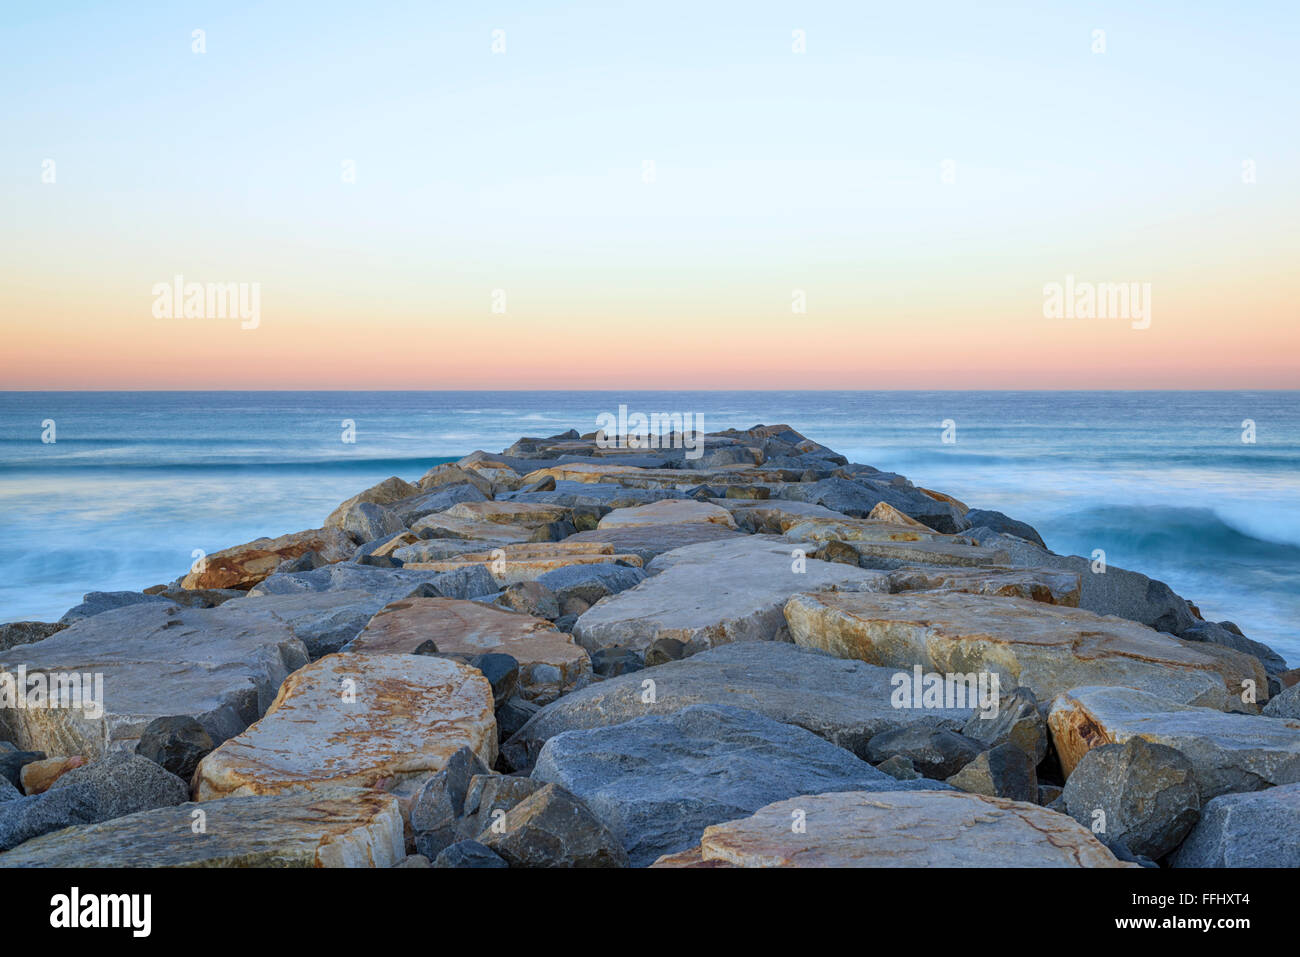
(1162, 481)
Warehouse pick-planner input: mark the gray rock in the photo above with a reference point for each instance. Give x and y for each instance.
(1216, 633)
(384, 584)
(117, 785)
(98, 602)
(1146, 792)
(411, 510)
(1005, 771)
(306, 562)
(590, 583)
(1258, 829)
(501, 671)
(1285, 705)
(7, 791)
(490, 796)
(552, 828)
(440, 804)
(26, 632)
(177, 742)
(656, 782)
(414, 860)
(649, 541)
(937, 754)
(986, 518)
(664, 650)
(1018, 721)
(531, 598)
(844, 701)
(221, 666)
(512, 715)
(469, 854)
(615, 660)
(438, 549)
(857, 497)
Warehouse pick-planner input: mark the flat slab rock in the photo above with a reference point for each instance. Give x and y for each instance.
(650, 541)
(1047, 648)
(1229, 752)
(221, 666)
(899, 829)
(668, 512)
(549, 660)
(509, 564)
(346, 827)
(715, 593)
(657, 782)
(407, 715)
(845, 702)
(842, 528)
(1046, 585)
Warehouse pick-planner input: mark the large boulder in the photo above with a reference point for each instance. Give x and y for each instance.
(243, 566)
(669, 512)
(1140, 794)
(117, 784)
(650, 541)
(715, 593)
(1228, 752)
(1049, 586)
(345, 827)
(846, 702)
(390, 490)
(1258, 829)
(857, 498)
(509, 564)
(366, 522)
(987, 518)
(323, 620)
(95, 602)
(656, 782)
(1047, 648)
(221, 666)
(410, 510)
(549, 661)
(898, 829)
(357, 720)
(552, 828)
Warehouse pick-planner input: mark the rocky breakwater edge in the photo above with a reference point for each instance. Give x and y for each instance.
(745, 652)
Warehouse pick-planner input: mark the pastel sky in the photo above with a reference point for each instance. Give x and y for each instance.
(525, 171)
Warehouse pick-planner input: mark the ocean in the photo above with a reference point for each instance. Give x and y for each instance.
(1163, 482)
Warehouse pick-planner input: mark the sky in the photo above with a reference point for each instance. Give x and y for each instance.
(813, 195)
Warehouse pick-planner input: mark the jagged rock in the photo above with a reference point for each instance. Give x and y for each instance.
(1229, 752)
(591, 582)
(13, 761)
(656, 782)
(357, 720)
(846, 702)
(385, 585)
(552, 828)
(1259, 829)
(1005, 771)
(390, 490)
(774, 516)
(469, 854)
(987, 518)
(97, 602)
(452, 474)
(550, 662)
(857, 497)
(897, 554)
(936, 753)
(306, 562)
(901, 829)
(220, 665)
(1146, 794)
(243, 566)
(340, 828)
(411, 510)
(1017, 721)
(439, 805)
(1285, 705)
(1215, 633)
(1046, 648)
(25, 632)
(177, 743)
(366, 521)
(649, 541)
(116, 785)
(663, 651)
(714, 593)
